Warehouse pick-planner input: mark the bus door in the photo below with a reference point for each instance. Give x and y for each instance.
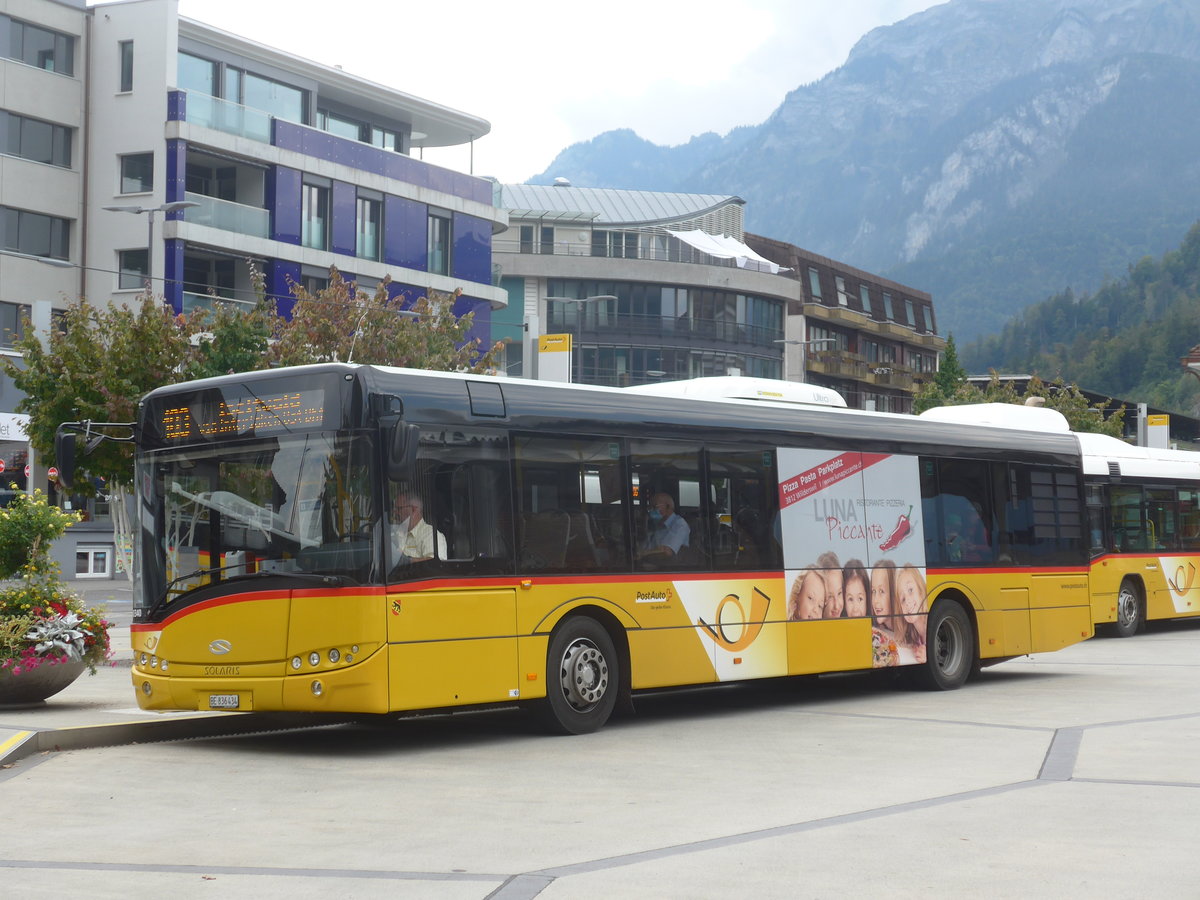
(452, 630)
(968, 535)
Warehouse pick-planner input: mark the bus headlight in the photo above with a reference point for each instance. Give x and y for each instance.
(317, 689)
(314, 658)
(296, 662)
(334, 655)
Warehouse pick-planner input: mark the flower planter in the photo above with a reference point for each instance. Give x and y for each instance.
(33, 687)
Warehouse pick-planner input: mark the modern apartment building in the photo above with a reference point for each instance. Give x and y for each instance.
(655, 287)
(140, 146)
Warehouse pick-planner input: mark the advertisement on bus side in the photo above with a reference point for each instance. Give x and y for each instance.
(853, 545)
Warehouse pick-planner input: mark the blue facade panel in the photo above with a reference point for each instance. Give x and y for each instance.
(472, 257)
(388, 163)
(176, 106)
(173, 274)
(280, 275)
(283, 202)
(176, 184)
(343, 213)
(404, 235)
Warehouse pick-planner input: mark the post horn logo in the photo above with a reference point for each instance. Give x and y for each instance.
(749, 625)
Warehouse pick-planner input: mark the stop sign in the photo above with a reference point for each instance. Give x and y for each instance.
(52, 473)
(1, 465)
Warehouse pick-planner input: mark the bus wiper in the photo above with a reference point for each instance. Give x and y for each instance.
(167, 599)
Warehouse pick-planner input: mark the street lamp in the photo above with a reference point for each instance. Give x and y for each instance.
(804, 345)
(171, 207)
(532, 331)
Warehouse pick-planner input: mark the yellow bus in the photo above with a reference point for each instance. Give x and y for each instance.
(346, 538)
(1144, 525)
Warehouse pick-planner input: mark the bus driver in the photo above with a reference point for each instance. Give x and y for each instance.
(412, 537)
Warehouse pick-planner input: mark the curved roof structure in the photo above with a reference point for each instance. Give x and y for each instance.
(607, 206)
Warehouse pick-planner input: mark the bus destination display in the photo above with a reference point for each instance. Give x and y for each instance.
(260, 415)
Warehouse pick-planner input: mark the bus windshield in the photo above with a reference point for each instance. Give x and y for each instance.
(297, 504)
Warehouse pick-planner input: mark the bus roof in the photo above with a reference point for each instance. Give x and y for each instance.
(1105, 455)
(741, 387)
(1001, 415)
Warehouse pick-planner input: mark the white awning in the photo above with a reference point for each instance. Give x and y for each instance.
(726, 247)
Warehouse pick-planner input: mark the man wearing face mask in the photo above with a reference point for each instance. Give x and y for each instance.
(669, 533)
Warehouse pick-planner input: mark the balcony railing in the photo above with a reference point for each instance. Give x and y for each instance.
(674, 251)
(228, 216)
(659, 326)
(232, 118)
(193, 302)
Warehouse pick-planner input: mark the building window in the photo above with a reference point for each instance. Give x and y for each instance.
(137, 173)
(887, 307)
(368, 216)
(840, 284)
(196, 74)
(386, 139)
(339, 125)
(93, 562)
(134, 266)
(526, 239)
(315, 216)
(33, 233)
(927, 313)
(12, 323)
(35, 46)
(314, 284)
(864, 297)
(439, 244)
(34, 139)
(814, 283)
(125, 49)
(909, 317)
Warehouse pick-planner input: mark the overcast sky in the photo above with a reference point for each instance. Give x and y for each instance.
(547, 74)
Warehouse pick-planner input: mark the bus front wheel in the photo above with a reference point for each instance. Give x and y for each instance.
(582, 671)
(1130, 616)
(950, 648)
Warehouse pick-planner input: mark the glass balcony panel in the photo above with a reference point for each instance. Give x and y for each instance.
(232, 118)
(228, 216)
(207, 301)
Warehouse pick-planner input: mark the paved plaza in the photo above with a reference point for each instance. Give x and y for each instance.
(1067, 775)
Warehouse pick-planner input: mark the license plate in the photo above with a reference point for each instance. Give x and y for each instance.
(222, 701)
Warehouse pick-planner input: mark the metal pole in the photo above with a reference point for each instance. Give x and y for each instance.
(150, 248)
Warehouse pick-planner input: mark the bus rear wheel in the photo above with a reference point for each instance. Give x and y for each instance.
(582, 674)
(950, 648)
(1130, 615)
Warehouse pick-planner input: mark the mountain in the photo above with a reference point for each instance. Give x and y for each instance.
(1126, 340)
(992, 152)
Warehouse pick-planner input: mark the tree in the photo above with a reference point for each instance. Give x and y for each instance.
(949, 387)
(343, 324)
(96, 363)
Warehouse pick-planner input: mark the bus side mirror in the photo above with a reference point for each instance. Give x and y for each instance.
(64, 456)
(402, 450)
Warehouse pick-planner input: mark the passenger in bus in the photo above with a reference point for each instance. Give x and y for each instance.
(807, 597)
(857, 587)
(883, 578)
(835, 597)
(669, 533)
(910, 597)
(414, 539)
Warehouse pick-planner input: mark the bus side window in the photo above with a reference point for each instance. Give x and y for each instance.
(570, 514)
(744, 503)
(673, 468)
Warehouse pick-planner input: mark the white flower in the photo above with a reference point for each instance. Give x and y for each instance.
(60, 633)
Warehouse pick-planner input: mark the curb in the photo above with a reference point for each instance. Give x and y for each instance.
(85, 737)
